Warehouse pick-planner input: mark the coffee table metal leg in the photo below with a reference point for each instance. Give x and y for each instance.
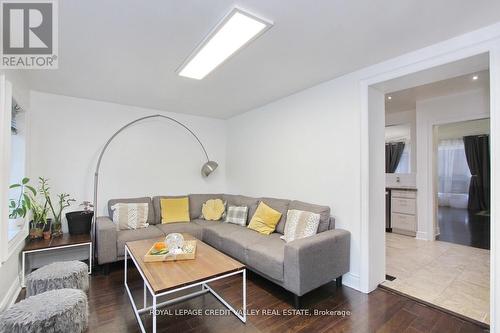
(134, 307)
(145, 295)
(244, 295)
(241, 316)
(154, 314)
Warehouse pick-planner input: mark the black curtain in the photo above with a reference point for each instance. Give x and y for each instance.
(477, 152)
(393, 152)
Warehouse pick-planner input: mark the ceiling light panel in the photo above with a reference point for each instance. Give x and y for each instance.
(235, 31)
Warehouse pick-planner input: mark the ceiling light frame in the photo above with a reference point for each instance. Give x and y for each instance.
(267, 25)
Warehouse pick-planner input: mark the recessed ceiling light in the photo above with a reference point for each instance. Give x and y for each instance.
(389, 97)
(236, 30)
(475, 77)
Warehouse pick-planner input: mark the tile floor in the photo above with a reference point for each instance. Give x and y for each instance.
(452, 276)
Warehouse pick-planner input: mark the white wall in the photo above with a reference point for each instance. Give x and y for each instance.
(469, 105)
(464, 128)
(305, 147)
(150, 158)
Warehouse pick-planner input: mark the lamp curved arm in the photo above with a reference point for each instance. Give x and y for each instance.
(211, 165)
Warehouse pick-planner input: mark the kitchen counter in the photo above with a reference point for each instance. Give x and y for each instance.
(403, 188)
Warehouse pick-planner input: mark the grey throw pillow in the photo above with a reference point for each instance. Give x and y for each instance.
(237, 215)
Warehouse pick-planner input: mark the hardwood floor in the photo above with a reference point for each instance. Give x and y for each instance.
(461, 226)
(380, 311)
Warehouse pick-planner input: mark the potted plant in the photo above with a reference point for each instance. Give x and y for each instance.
(79, 222)
(64, 200)
(19, 207)
(40, 222)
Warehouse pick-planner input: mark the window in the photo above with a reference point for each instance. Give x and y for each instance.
(453, 171)
(17, 162)
(12, 164)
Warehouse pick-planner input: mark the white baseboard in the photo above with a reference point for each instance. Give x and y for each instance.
(421, 235)
(351, 280)
(11, 296)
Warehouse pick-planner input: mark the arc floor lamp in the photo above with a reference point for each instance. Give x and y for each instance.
(207, 168)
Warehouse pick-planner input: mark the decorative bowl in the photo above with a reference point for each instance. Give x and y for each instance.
(174, 242)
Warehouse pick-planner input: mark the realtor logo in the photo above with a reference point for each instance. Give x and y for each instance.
(29, 34)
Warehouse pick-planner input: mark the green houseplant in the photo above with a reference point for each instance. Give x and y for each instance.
(64, 200)
(18, 208)
(40, 223)
(21, 205)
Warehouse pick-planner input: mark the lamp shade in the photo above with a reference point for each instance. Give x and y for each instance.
(208, 168)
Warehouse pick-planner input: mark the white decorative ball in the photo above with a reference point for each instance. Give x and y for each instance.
(174, 242)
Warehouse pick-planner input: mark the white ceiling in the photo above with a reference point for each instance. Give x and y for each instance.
(404, 100)
(126, 51)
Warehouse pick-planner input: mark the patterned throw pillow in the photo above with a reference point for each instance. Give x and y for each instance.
(213, 210)
(300, 224)
(237, 215)
(130, 215)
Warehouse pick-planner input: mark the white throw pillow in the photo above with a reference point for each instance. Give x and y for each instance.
(130, 215)
(300, 224)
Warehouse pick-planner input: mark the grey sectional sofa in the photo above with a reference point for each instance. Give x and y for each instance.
(298, 266)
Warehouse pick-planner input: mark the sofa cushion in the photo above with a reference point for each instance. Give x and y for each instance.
(323, 211)
(267, 256)
(212, 234)
(241, 200)
(157, 205)
(124, 236)
(151, 211)
(196, 202)
(236, 242)
(281, 205)
(206, 224)
(188, 227)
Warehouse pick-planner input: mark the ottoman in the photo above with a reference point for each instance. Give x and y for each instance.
(58, 275)
(55, 311)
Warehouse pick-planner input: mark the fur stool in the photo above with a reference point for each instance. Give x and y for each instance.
(55, 311)
(58, 275)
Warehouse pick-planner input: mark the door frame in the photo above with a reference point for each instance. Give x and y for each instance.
(486, 40)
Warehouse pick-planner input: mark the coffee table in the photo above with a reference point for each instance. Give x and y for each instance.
(164, 278)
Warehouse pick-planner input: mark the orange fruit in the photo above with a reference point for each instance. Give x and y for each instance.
(159, 245)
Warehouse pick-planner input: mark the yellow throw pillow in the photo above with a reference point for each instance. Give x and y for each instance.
(265, 219)
(174, 210)
(213, 210)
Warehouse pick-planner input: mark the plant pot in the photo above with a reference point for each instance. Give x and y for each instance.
(47, 235)
(36, 230)
(79, 222)
(57, 229)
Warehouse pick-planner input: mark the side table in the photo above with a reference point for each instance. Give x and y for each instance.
(54, 244)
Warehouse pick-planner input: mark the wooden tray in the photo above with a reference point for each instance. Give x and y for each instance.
(172, 257)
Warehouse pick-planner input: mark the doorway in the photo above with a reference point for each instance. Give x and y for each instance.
(448, 275)
(463, 199)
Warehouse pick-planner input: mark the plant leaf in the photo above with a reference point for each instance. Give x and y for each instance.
(31, 189)
(25, 180)
(27, 201)
(15, 185)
